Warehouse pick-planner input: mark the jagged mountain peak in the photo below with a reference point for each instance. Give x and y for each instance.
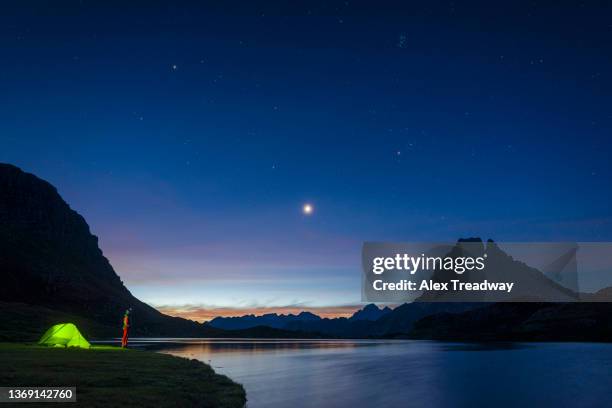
(370, 312)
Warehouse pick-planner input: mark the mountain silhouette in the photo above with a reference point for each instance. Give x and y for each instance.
(304, 321)
(571, 316)
(370, 321)
(530, 284)
(277, 321)
(49, 258)
(370, 312)
(358, 325)
(530, 321)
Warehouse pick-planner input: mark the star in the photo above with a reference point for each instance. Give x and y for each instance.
(307, 209)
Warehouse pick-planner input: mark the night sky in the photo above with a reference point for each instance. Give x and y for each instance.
(191, 137)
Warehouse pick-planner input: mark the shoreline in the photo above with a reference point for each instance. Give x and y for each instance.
(192, 340)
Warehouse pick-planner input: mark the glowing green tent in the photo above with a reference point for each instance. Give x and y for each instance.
(64, 335)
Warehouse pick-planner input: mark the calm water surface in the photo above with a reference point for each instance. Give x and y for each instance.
(362, 373)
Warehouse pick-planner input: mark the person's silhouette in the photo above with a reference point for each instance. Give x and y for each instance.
(126, 327)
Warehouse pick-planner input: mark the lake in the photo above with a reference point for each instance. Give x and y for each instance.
(381, 373)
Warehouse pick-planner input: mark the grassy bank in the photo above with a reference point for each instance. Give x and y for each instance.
(112, 377)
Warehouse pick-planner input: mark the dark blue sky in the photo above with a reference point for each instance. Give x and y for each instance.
(189, 137)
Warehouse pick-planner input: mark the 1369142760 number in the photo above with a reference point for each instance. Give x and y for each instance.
(42, 394)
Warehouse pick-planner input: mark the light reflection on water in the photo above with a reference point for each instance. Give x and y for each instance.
(387, 373)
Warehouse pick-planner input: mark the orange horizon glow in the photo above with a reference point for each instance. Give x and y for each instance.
(203, 314)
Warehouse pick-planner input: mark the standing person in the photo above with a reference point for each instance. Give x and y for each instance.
(126, 327)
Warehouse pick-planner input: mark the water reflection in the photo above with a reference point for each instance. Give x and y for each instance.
(491, 346)
(371, 373)
(198, 346)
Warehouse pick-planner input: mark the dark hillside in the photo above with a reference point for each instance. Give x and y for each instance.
(49, 258)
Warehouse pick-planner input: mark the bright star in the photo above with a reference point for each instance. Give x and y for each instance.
(307, 209)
